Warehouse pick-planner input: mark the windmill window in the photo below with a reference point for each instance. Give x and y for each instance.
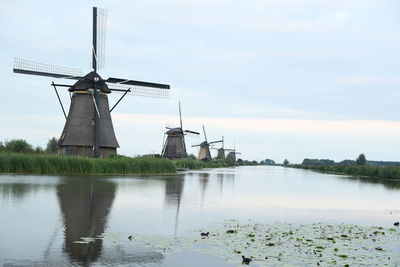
(68, 150)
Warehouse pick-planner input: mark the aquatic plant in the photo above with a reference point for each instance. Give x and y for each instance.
(283, 244)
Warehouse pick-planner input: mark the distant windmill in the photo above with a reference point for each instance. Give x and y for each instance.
(88, 130)
(221, 150)
(232, 154)
(174, 147)
(204, 152)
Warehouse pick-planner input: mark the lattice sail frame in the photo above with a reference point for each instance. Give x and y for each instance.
(137, 90)
(101, 37)
(28, 65)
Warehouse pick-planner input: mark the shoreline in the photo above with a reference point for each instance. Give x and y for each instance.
(388, 173)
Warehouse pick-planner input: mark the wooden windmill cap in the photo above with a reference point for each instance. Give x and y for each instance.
(90, 81)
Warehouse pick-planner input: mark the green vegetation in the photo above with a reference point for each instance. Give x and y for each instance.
(361, 160)
(54, 164)
(359, 170)
(193, 164)
(358, 167)
(18, 156)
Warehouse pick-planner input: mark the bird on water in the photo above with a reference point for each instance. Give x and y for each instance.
(245, 260)
(205, 234)
(396, 223)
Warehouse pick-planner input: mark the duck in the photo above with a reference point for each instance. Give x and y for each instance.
(246, 260)
(205, 234)
(396, 223)
(130, 237)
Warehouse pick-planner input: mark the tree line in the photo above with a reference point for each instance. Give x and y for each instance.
(22, 146)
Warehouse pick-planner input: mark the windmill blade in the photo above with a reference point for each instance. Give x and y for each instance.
(195, 145)
(214, 142)
(24, 66)
(137, 83)
(138, 90)
(180, 115)
(191, 132)
(204, 130)
(99, 37)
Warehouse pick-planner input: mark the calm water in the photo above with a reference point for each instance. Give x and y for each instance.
(42, 216)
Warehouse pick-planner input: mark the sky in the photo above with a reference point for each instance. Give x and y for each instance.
(278, 79)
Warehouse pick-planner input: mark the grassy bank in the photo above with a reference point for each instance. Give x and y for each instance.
(54, 164)
(192, 164)
(361, 170)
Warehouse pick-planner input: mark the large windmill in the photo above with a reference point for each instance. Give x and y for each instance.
(204, 152)
(174, 146)
(88, 130)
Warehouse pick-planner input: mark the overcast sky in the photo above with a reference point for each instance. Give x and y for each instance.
(279, 78)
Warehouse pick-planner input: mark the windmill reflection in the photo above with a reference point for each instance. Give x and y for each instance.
(173, 195)
(203, 183)
(85, 204)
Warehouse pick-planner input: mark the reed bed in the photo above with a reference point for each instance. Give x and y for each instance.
(360, 170)
(192, 164)
(54, 164)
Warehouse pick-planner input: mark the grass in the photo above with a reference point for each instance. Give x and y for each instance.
(192, 164)
(54, 164)
(360, 170)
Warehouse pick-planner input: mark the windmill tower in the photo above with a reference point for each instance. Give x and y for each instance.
(174, 146)
(88, 130)
(204, 152)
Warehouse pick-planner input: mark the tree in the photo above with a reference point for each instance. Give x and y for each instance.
(18, 145)
(361, 160)
(285, 162)
(52, 146)
(230, 159)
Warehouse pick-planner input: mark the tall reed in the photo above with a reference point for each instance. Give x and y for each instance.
(54, 164)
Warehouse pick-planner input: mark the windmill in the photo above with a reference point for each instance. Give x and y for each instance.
(88, 130)
(221, 150)
(174, 146)
(232, 153)
(204, 152)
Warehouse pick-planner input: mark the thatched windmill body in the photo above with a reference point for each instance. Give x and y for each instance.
(204, 151)
(89, 130)
(174, 146)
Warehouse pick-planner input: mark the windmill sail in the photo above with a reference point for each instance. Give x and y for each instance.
(24, 66)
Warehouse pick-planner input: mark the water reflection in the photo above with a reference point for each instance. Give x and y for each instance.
(85, 204)
(173, 196)
(203, 182)
(90, 206)
(386, 183)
